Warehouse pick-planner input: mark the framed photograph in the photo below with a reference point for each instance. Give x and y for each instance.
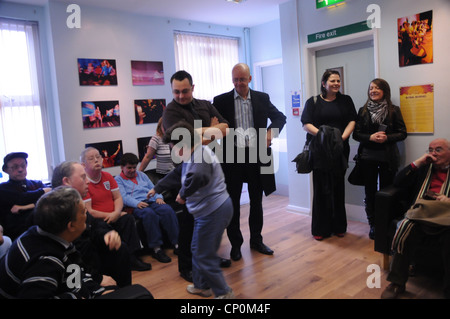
(142, 143)
(97, 72)
(110, 151)
(148, 111)
(415, 39)
(100, 114)
(147, 73)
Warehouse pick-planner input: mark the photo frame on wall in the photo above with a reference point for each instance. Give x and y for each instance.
(148, 110)
(97, 72)
(147, 73)
(142, 144)
(415, 39)
(111, 152)
(100, 114)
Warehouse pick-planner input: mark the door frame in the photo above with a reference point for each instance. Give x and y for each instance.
(309, 51)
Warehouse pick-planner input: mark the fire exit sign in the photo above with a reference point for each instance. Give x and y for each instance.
(327, 3)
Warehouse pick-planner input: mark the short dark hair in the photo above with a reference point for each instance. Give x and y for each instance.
(180, 76)
(129, 158)
(55, 209)
(179, 137)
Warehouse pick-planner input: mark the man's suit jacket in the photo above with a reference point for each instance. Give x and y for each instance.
(263, 109)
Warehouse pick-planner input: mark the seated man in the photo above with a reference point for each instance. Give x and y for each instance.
(60, 218)
(154, 212)
(18, 195)
(100, 245)
(104, 201)
(427, 180)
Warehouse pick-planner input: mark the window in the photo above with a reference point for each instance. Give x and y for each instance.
(21, 110)
(209, 59)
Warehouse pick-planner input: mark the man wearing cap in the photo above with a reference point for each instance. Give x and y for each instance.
(18, 195)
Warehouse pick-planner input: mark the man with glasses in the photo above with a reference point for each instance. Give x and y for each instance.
(427, 181)
(201, 114)
(18, 195)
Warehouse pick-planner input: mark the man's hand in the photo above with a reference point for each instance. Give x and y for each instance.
(112, 240)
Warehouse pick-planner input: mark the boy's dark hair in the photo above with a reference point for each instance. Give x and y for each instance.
(174, 137)
(129, 158)
(180, 76)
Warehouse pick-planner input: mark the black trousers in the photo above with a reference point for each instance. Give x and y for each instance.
(328, 208)
(400, 262)
(235, 176)
(186, 223)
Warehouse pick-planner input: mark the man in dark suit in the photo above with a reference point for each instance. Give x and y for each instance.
(247, 112)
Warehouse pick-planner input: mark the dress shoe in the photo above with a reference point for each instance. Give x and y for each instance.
(235, 254)
(139, 265)
(161, 256)
(260, 247)
(225, 263)
(186, 275)
(392, 291)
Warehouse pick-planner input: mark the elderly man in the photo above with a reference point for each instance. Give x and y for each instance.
(427, 180)
(18, 195)
(247, 111)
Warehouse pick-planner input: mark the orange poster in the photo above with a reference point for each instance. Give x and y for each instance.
(417, 106)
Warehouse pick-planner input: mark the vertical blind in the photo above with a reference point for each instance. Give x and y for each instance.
(209, 59)
(21, 112)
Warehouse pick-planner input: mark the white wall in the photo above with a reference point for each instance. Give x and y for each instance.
(307, 20)
(108, 34)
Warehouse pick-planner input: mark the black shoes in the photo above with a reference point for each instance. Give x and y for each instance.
(139, 265)
(235, 253)
(161, 256)
(261, 248)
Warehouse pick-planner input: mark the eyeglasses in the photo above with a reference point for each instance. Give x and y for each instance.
(16, 167)
(241, 80)
(185, 91)
(438, 150)
(93, 158)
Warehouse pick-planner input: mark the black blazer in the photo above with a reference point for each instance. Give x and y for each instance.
(263, 110)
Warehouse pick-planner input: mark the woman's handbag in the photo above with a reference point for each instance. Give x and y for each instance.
(303, 162)
(356, 176)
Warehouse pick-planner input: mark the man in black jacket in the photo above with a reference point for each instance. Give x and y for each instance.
(247, 112)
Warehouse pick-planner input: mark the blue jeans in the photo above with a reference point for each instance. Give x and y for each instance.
(208, 231)
(156, 217)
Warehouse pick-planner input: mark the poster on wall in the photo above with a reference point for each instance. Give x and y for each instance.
(97, 72)
(100, 114)
(415, 39)
(148, 110)
(111, 152)
(417, 106)
(147, 73)
(142, 143)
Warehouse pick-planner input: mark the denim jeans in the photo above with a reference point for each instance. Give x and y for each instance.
(156, 217)
(208, 231)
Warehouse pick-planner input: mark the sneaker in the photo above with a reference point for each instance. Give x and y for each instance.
(197, 291)
(161, 256)
(228, 295)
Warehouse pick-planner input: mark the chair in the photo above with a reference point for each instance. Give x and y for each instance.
(390, 206)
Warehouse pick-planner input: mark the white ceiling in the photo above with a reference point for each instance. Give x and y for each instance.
(246, 14)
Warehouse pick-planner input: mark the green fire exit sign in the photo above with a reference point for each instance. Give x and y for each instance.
(326, 3)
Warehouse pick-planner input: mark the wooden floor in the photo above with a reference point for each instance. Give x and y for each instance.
(301, 268)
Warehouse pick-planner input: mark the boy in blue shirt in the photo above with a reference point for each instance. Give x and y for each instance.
(202, 188)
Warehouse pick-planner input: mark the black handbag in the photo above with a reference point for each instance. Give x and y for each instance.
(356, 176)
(302, 161)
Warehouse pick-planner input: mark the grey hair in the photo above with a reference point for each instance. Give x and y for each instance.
(65, 169)
(83, 153)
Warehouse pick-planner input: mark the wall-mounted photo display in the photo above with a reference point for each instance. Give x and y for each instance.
(148, 111)
(147, 73)
(100, 114)
(111, 152)
(142, 143)
(97, 72)
(415, 39)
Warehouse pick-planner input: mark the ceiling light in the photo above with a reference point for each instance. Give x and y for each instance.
(236, 1)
